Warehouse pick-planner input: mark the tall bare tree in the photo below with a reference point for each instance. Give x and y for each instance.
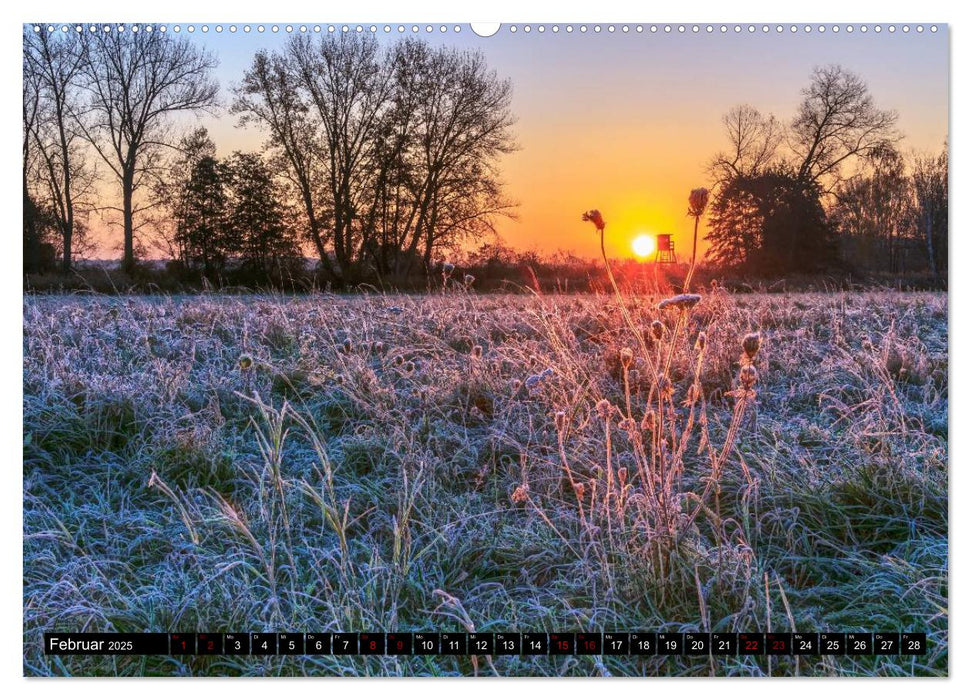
(393, 153)
(836, 123)
(137, 80)
(754, 141)
(31, 114)
(930, 184)
(269, 98)
(349, 87)
(871, 210)
(438, 178)
(57, 59)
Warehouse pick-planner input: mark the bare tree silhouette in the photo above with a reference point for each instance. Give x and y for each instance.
(56, 62)
(835, 123)
(135, 82)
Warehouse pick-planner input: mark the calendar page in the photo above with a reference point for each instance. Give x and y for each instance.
(437, 349)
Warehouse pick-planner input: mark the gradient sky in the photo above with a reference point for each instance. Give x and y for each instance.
(627, 122)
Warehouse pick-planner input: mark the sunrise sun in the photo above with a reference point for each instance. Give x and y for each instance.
(643, 245)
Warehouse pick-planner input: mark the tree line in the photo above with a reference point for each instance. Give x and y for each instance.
(830, 188)
(375, 158)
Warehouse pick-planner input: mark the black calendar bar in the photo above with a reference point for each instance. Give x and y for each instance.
(489, 643)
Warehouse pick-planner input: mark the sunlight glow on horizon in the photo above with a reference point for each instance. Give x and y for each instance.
(627, 123)
(644, 246)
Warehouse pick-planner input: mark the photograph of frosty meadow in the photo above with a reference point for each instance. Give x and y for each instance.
(572, 328)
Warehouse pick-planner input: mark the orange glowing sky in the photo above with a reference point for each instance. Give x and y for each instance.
(627, 122)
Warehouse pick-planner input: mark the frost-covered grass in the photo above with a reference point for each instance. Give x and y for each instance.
(397, 463)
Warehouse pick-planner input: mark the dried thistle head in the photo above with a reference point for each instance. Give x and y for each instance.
(596, 218)
(408, 367)
(520, 494)
(603, 409)
(665, 387)
(748, 376)
(377, 347)
(626, 357)
(701, 342)
(347, 345)
(469, 280)
(649, 421)
(580, 489)
(657, 330)
(559, 420)
(698, 201)
(622, 475)
(476, 351)
(245, 361)
(514, 384)
(447, 269)
(751, 344)
(648, 335)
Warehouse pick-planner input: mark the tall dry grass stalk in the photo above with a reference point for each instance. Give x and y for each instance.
(661, 426)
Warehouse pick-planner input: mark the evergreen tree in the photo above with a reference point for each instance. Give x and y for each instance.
(200, 221)
(258, 229)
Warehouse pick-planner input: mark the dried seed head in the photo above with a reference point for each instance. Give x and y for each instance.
(347, 346)
(245, 362)
(748, 376)
(665, 387)
(626, 357)
(520, 494)
(657, 330)
(514, 384)
(408, 367)
(603, 408)
(627, 425)
(648, 335)
(622, 475)
(893, 361)
(398, 360)
(469, 280)
(447, 269)
(580, 489)
(697, 201)
(701, 342)
(559, 420)
(649, 421)
(751, 344)
(596, 218)
(378, 347)
(476, 351)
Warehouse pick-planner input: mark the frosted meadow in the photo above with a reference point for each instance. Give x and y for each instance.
(465, 462)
